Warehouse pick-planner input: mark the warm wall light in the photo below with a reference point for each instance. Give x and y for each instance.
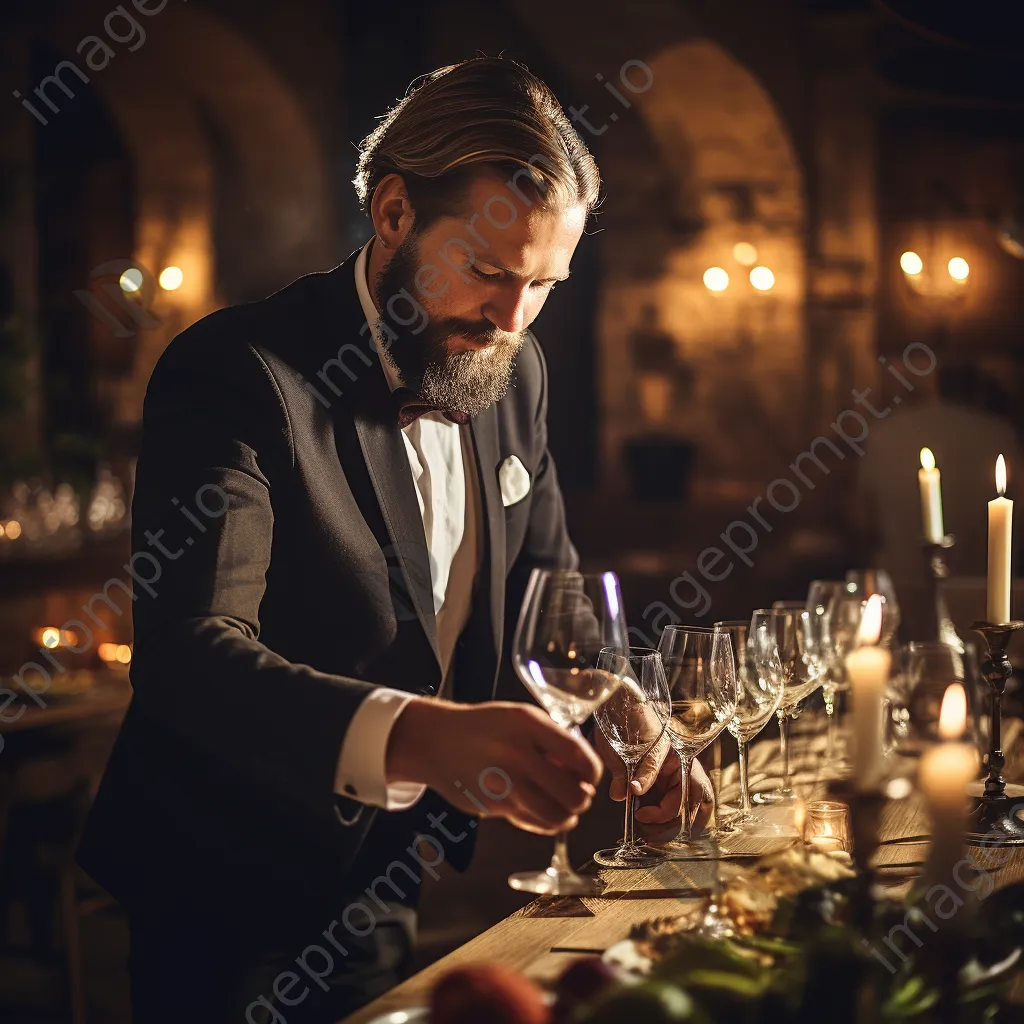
(744, 253)
(762, 279)
(131, 280)
(958, 268)
(123, 654)
(716, 279)
(107, 652)
(171, 278)
(911, 263)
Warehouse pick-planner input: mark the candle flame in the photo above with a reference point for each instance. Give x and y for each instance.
(871, 621)
(927, 459)
(953, 716)
(1001, 475)
(827, 830)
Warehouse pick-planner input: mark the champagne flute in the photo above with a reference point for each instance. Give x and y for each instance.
(568, 618)
(784, 644)
(633, 721)
(703, 692)
(759, 696)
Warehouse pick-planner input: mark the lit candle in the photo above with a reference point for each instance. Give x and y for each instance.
(1000, 528)
(942, 777)
(930, 481)
(867, 668)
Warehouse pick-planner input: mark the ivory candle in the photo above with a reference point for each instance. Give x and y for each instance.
(929, 479)
(1000, 529)
(867, 668)
(943, 776)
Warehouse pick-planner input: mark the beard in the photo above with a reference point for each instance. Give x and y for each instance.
(465, 382)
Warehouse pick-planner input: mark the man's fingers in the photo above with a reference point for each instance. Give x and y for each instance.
(568, 791)
(541, 806)
(650, 767)
(577, 755)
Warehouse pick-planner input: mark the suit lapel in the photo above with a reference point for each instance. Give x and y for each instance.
(484, 429)
(388, 466)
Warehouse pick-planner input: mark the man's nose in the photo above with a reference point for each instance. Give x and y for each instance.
(507, 312)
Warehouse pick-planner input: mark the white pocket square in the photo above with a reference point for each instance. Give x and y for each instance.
(514, 481)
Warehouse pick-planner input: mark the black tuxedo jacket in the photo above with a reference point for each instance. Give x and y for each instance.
(280, 572)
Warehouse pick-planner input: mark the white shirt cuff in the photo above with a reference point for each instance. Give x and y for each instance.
(362, 769)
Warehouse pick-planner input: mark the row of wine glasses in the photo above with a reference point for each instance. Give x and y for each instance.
(572, 653)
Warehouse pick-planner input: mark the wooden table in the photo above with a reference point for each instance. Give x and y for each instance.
(543, 937)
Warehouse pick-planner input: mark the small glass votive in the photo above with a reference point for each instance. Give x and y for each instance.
(827, 827)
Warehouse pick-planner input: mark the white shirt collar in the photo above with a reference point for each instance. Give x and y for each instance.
(373, 318)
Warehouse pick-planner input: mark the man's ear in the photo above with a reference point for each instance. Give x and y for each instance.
(391, 211)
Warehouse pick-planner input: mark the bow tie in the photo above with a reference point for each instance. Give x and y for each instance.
(411, 407)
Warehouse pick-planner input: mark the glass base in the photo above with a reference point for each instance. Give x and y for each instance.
(552, 882)
(639, 856)
(774, 796)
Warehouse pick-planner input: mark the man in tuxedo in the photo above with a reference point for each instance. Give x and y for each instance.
(341, 491)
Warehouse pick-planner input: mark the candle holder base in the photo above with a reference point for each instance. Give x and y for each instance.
(993, 821)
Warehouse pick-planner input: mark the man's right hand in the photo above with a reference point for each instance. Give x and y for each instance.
(509, 758)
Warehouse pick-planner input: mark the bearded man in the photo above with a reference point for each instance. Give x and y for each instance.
(341, 491)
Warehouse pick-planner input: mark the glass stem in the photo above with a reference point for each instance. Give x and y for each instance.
(745, 805)
(560, 858)
(629, 840)
(784, 723)
(685, 761)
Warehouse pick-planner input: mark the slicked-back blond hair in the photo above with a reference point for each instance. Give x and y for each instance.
(457, 120)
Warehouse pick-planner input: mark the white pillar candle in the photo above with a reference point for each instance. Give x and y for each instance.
(1000, 530)
(930, 482)
(943, 776)
(867, 668)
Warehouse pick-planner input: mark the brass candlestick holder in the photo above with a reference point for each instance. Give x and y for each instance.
(936, 573)
(991, 822)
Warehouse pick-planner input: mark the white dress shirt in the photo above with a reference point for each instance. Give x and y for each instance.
(448, 496)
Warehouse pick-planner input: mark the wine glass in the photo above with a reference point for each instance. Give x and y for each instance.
(785, 643)
(758, 698)
(703, 692)
(922, 670)
(863, 583)
(633, 721)
(568, 618)
(820, 595)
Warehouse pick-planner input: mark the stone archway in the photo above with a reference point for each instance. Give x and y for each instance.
(198, 104)
(729, 174)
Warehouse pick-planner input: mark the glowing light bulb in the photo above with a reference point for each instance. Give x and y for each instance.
(762, 279)
(911, 263)
(171, 278)
(958, 268)
(131, 280)
(744, 253)
(716, 279)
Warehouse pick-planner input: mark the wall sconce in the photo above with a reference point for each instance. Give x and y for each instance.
(935, 284)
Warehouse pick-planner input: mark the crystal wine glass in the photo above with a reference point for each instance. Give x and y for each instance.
(783, 643)
(759, 695)
(633, 721)
(922, 670)
(568, 618)
(703, 691)
(820, 595)
(863, 583)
